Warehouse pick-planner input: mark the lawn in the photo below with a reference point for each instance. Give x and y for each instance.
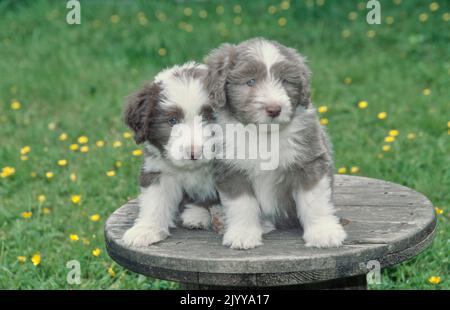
(67, 161)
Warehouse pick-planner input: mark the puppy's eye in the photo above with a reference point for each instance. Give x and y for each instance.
(173, 121)
(251, 82)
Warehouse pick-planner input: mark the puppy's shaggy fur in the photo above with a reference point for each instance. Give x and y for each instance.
(264, 82)
(173, 171)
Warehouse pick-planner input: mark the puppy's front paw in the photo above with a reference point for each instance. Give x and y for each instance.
(140, 236)
(325, 234)
(196, 217)
(242, 239)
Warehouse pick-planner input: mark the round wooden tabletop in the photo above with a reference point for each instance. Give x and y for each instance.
(386, 224)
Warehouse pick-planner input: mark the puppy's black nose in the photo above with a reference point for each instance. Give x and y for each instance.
(273, 110)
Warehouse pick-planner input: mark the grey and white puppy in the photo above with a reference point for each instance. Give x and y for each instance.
(263, 82)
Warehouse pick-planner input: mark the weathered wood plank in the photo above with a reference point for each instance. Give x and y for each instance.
(384, 221)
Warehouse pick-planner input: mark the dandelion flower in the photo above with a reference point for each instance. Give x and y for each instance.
(62, 162)
(342, 170)
(33, 174)
(282, 21)
(51, 126)
(76, 199)
(95, 217)
(285, 5)
(272, 10)
(74, 237)
(324, 121)
(25, 150)
(26, 214)
(434, 280)
(84, 149)
(371, 33)
(23, 158)
(352, 15)
(117, 144)
(386, 148)
(434, 6)
(41, 198)
(354, 169)
(446, 17)
(393, 133)
(46, 210)
(7, 171)
(426, 92)
(423, 17)
(187, 11)
(73, 177)
(382, 115)
(363, 104)
(411, 136)
(111, 272)
(36, 259)
(237, 20)
(16, 105)
(21, 259)
(127, 135)
(439, 211)
(83, 140)
(115, 18)
(237, 9)
(74, 147)
(348, 81)
(49, 175)
(110, 173)
(137, 152)
(100, 143)
(323, 109)
(118, 164)
(96, 252)
(162, 51)
(345, 33)
(85, 241)
(63, 137)
(389, 20)
(389, 139)
(203, 14)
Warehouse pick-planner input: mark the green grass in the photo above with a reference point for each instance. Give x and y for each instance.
(76, 77)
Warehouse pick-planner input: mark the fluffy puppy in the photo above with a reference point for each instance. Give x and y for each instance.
(170, 115)
(263, 82)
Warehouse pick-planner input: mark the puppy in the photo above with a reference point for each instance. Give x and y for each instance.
(170, 115)
(263, 82)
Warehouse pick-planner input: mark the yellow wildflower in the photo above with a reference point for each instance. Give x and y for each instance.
(74, 237)
(23, 158)
(41, 198)
(352, 15)
(115, 18)
(389, 139)
(371, 33)
(63, 137)
(21, 259)
(36, 259)
(187, 11)
(285, 5)
(324, 121)
(389, 20)
(237, 20)
(111, 173)
(117, 144)
(7, 171)
(25, 150)
(51, 126)
(282, 21)
(33, 174)
(345, 33)
(203, 14)
(386, 148)
(423, 17)
(342, 170)
(62, 162)
(137, 152)
(434, 280)
(83, 140)
(15, 105)
(127, 135)
(76, 199)
(426, 92)
(237, 9)
(111, 272)
(272, 10)
(411, 136)
(84, 149)
(323, 109)
(118, 164)
(446, 17)
(26, 214)
(96, 252)
(439, 211)
(46, 210)
(162, 51)
(85, 241)
(348, 81)
(73, 177)
(382, 115)
(100, 143)
(354, 169)
(393, 133)
(434, 6)
(74, 147)
(363, 104)
(49, 175)
(95, 217)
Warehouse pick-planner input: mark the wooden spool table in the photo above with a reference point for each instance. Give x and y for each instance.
(386, 224)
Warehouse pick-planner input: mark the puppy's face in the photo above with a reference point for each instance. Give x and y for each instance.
(260, 81)
(171, 114)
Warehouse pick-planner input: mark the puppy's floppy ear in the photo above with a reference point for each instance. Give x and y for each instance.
(304, 93)
(219, 62)
(139, 108)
